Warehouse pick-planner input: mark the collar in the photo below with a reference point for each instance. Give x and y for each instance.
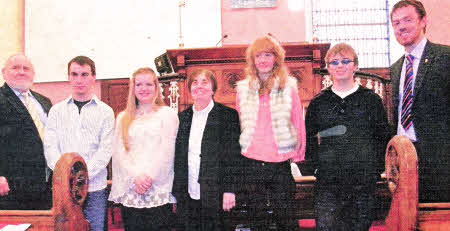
(417, 51)
(344, 94)
(205, 110)
(18, 93)
(93, 100)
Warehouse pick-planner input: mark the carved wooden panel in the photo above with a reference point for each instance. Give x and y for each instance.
(226, 93)
(305, 81)
(115, 94)
(226, 76)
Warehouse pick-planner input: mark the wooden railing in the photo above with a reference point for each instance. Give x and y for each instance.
(367, 79)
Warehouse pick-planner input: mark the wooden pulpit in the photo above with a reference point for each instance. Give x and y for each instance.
(228, 63)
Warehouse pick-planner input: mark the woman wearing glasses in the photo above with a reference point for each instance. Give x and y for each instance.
(272, 135)
(347, 133)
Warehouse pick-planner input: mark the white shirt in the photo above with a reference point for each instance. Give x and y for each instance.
(195, 148)
(88, 133)
(344, 94)
(417, 53)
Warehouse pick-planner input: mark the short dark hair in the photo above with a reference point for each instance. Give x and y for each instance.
(82, 60)
(420, 9)
(209, 74)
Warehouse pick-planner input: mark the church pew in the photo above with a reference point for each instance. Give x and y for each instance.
(304, 202)
(304, 197)
(397, 191)
(69, 191)
(406, 213)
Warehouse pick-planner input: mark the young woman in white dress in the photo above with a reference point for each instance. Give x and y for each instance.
(142, 162)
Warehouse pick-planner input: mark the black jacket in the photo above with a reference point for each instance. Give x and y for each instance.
(430, 114)
(220, 156)
(22, 153)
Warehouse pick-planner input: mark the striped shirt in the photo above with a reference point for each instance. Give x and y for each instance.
(88, 133)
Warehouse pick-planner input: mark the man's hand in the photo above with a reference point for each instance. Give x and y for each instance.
(229, 201)
(4, 186)
(142, 184)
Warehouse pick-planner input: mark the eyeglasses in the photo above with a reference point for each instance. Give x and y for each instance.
(344, 62)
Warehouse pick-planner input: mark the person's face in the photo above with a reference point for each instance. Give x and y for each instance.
(201, 88)
(144, 88)
(81, 79)
(408, 27)
(264, 62)
(18, 73)
(342, 67)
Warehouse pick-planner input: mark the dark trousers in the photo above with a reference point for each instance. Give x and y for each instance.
(196, 217)
(147, 219)
(268, 195)
(344, 207)
(434, 176)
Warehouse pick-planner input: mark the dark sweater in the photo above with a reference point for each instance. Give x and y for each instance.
(357, 157)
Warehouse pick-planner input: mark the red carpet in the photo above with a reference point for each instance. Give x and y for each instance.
(117, 225)
(305, 225)
(310, 225)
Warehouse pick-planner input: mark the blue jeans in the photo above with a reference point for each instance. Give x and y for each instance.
(94, 209)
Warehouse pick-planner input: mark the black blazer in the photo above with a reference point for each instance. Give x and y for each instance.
(220, 156)
(430, 109)
(22, 152)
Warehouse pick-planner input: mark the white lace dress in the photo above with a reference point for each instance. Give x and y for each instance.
(152, 147)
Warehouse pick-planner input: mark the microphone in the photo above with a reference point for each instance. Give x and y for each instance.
(223, 37)
(274, 38)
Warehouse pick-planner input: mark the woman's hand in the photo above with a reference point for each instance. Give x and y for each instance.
(142, 184)
(229, 201)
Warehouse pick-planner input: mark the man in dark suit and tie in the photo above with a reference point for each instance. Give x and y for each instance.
(23, 113)
(420, 86)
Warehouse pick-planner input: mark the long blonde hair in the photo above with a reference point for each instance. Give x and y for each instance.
(270, 45)
(129, 114)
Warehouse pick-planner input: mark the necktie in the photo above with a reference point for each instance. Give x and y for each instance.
(408, 96)
(34, 115)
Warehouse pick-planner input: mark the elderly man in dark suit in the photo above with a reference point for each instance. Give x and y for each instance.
(420, 81)
(23, 113)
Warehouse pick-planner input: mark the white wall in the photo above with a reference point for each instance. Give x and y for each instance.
(119, 35)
